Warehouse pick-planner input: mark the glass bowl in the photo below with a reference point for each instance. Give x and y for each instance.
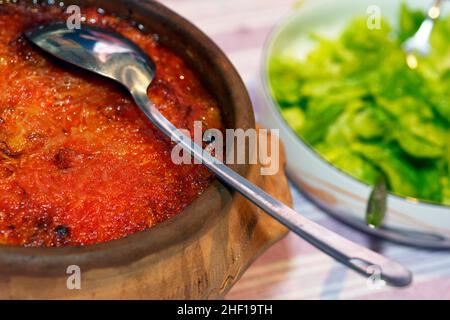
(407, 220)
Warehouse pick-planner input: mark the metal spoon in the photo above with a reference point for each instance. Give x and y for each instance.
(117, 58)
(419, 43)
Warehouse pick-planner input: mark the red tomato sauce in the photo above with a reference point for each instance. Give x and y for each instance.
(79, 163)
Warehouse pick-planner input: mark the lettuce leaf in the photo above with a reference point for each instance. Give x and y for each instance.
(357, 103)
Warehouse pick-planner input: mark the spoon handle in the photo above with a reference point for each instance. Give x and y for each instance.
(420, 42)
(356, 257)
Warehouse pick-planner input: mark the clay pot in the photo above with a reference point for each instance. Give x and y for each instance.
(197, 254)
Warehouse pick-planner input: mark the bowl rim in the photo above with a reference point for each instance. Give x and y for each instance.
(197, 217)
(276, 30)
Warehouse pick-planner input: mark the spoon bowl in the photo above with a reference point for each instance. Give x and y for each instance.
(110, 55)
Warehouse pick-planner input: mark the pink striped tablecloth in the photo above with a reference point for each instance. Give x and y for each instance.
(292, 269)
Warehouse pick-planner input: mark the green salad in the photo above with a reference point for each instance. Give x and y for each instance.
(359, 105)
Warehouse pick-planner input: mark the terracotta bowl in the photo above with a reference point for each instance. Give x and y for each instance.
(20, 266)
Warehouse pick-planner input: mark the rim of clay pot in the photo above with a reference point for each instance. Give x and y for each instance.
(223, 82)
